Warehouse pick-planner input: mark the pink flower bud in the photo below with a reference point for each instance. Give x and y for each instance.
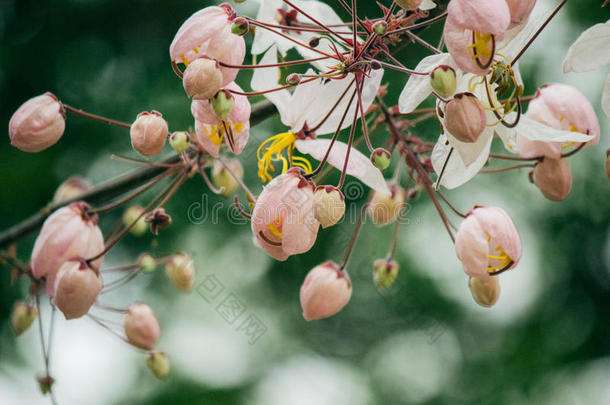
(520, 10)
(385, 208)
(148, 133)
(325, 291)
(69, 232)
(76, 288)
(487, 242)
(73, 187)
(37, 124)
(293, 79)
(141, 326)
(465, 117)
(181, 271)
(328, 205)
(553, 178)
(202, 79)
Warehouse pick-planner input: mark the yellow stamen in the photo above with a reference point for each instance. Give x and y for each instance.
(271, 151)
(480, 46)
(274, 228)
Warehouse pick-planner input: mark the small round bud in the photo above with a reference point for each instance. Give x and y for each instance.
(553, 177)
(72, 188)
(380, 27)
(381, 158)
(485, 291)
(465, 117)
(141, 327)
(76, 288)
(385, 272)
(45, 383)
(325, 291)
(375, 65)
(181, 271)
(223, 179)
(293, 79)
(608, 164)
(147, 263)
(202, 79)
(37, 124)
(240, 26)
(148, 133)
(132, 214)
(328, 205)
(158, 364)
(443, 80)
(22, 316)
(158, 218)
(314, 42)
(180, 141)
(222, 104)
(385, 208)
(410, 5)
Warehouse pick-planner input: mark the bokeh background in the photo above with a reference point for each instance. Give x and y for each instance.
(422, 342)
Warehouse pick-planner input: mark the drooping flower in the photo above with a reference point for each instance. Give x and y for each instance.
(76, 287)
(487, 242)
(325, 291)
(315, 108)
(69, 232)
(141, 326)
(148, 133)
(210, 130)
(283, 219)
(202, 79)
(553, 178)
(207, 33)
(37, 124)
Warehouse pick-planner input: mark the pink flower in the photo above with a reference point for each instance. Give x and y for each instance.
(487, 242)
(69, 232)
(283, 221)
(325, 291)
(148, 133)
(37, 124)
(553, 178)
(560, 107)
(210, 130)
(471, 31)
(207, 33)
(141, 326)
(520, 10)
(76, 287)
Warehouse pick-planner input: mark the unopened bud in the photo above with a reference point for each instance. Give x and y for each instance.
(465, 117)
(158, 364)
(147, 263)
(293, 79)
(385, 272)
(240, 26)
(325, 291)
(37, 124)
(148, 133)
(485, 291)
(158, 218)
(376, 65)
(223, 179)
(554, 178)
(132, 214)
(76, 287)
(328, 205)
(180, 141)
(381, 158)
(72, 188)
(141, 327)
(45, 383)
(222, 104)
(380, 27)
(385, 208)
(443, 80)
(314, 42)
(410, 5)
(202, 79)
(181, 271)
(22, 316)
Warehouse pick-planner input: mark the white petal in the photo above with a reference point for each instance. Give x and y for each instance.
(590, 51)
(516, 38)
(427, 5)
(358, 166)
(418, 87)
(456, 172)
(535, 131)
(508, 135)
(606, 97)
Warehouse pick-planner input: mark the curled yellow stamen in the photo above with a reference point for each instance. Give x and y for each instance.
(271, 151)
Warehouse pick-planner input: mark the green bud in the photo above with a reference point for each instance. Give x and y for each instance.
(180, 141)
(380, 27)
(443, 80)
(240, 26)
(158, 363)
(45, 383)
(130, 215)
(147, 263)
(485, 291)
(222, 104)
(22, 317)
(385, 272)
(381, 158)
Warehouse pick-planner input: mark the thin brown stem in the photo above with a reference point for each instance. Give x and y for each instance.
(85, 114)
